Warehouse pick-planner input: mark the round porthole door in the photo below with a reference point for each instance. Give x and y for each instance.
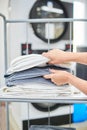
(49, 9)
(45, 107)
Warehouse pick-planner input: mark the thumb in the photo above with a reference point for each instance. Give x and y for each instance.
(47, 76)
(53, 70)
(45, 54)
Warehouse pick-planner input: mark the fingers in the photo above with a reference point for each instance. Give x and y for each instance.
(49, 76)
(45, 54)
(53, 70)
(48, 56)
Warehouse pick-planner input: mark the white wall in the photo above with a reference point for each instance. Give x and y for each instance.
(80, 28)
(86, 22)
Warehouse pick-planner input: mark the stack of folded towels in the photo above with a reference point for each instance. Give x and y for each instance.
(30, 69)
(25, 75)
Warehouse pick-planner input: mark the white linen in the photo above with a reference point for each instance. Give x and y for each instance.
(37, 90)
(26, 62)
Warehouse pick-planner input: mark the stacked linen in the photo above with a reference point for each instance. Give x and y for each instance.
(23, 68)
(36, 90)
(26, 73)
(29, 69)
(33, 75)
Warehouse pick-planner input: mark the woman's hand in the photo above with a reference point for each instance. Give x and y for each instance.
(56, 56)
(58, 77)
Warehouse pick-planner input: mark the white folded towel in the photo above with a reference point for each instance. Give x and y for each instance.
(26, 62)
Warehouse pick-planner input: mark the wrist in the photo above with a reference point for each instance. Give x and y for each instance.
(75, 57)
(69, 77)
(71, 56)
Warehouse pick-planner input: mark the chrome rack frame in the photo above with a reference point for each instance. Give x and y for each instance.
(29, 100)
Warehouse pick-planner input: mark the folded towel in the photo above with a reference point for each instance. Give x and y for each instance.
(26, 62)
(37, 90)
(47, 127)
(31, 75)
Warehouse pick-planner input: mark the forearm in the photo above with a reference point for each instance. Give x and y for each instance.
(76, 57)
(78, 83)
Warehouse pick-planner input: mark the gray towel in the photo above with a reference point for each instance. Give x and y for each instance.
(47, 127)
(31, 75)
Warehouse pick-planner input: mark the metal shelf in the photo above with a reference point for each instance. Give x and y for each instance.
(60, 99)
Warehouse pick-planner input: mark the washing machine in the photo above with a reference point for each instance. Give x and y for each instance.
(36, 36)
(46, 114)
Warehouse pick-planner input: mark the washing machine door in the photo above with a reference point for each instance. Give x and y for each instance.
(45, 107)
(49, 9)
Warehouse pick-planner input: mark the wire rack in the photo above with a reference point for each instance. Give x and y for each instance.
(60, 99)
